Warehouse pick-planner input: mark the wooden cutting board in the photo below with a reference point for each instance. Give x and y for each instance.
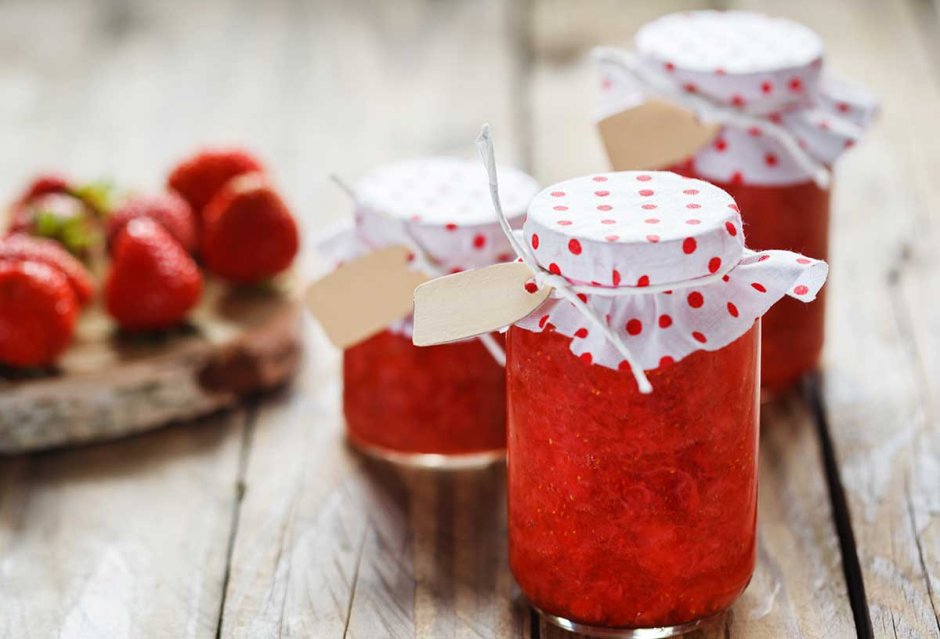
(107, 385)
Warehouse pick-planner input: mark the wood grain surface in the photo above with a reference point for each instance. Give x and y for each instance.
(879, 391)
(108, 385)
(259, 522)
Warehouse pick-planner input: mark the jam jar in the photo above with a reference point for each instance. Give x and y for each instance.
(632, 512)
(443, 406)
(792, 122)
(795, 217)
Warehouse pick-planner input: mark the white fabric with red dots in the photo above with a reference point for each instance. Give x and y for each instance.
(439, 206)
(757, 65)
(443, 205)
(621, 233)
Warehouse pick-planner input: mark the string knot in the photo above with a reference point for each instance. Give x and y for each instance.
(559, 284)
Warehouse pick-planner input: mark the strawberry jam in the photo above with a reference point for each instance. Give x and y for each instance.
(793, 217)
(629, 510)
(403, 400)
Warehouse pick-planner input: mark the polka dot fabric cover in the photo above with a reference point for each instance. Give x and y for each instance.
(764, 66)
(634, 229)
(640, 229)
(443, 204)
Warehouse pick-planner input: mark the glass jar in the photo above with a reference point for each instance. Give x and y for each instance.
(413, 404)
(442, 406)
(629, 510)
(784, 125)
(632, 511)
(793, 217)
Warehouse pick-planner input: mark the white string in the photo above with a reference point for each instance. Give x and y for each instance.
(711, 111)
(426, 264)
(559, 284)
(345, 188)
(490, 344)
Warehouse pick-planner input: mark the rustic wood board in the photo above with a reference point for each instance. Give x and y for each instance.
(108, 385)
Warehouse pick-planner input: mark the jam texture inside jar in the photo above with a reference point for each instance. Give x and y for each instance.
(633, 401)
(631, 510)
(441, 406)
(447, 399)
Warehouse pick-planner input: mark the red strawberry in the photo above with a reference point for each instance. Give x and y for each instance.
(248, 233)
(25, 247)
(37, 313)
(20, 214)
(44, 184)
(201, 176)
(153, 283)
(169, 210)
(57, 216)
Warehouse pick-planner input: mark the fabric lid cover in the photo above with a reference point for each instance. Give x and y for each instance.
(634, 228)
(761, 65)
(631, 230)
(444, 205)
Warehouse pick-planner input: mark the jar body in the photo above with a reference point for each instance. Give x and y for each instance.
(410, 404)
(627, 510)
(791, 217)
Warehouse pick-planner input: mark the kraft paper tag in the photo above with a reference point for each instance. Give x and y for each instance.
(475, 302)
(653, 135)
(362, 297)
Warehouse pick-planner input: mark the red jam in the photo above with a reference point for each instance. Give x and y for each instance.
(792, 217)
(448, 399)
(630, 510)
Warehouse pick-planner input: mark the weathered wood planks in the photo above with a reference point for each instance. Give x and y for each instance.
(128, 539)
(328, 545)
(239, 526)
(879, 391)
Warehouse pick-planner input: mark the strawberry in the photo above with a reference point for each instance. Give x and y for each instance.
(169, 210)
(201, 176)
(153, 283)
(20, 247)
(249, 234)
(44, 184)
(59, 216)
(37, 313)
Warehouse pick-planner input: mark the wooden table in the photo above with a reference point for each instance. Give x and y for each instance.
(258, 522)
